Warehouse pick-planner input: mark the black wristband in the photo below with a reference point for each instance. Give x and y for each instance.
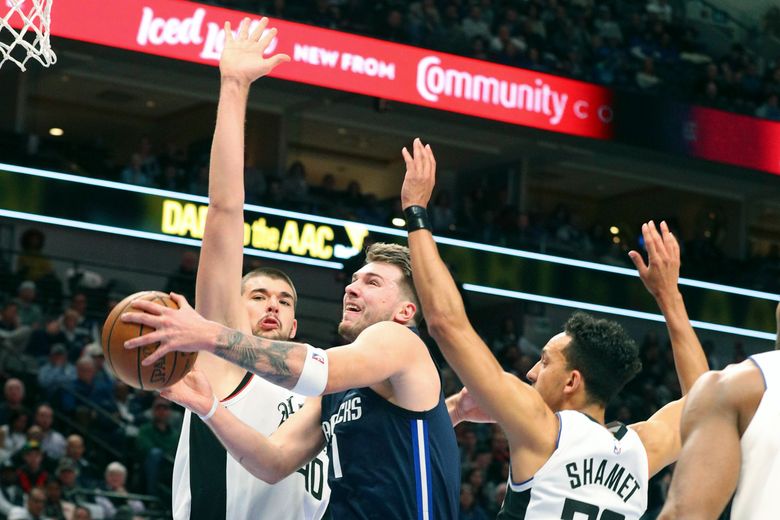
(416, 218)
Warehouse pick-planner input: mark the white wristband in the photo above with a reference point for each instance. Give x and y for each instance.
(211, 413)
(314, 375)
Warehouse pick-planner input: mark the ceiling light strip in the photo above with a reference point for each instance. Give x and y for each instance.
(161, 237)
(613, 310)
(390, 231)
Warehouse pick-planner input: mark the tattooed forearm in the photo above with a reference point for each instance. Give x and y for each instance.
(266, 358)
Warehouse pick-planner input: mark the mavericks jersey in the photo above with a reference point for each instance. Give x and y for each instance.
(759, 475)
(208, 483)
(594, 473)
(389, 463)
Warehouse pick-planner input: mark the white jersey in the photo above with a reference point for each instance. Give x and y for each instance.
(209, 483)
(759, 475)
(594, 473)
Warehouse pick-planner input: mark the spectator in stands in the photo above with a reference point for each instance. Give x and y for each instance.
(35, 435)
(442, 215)
(87, 325)
(155, 443)
(15, 432)
(76, 337)
(13, 399)
(9, 317)
(171, 179)
(474, 25)
(10, 493)
(149, 161)
(606, 27)
(103, 374)
(43, 339)
(394, 28)
(129, 408)
(199, 182)
(86, 474)
(82, 513)
(97, 393)
(67, 473)
(294, 185)
(353, 198)
(30, 313)
(504, 37)
(56, 508)
(57, 372)
(769, 109)
(32, 263)
(115, 477)
(134, 172)
(661, 9)
(646, 78)
(53, 442)
(36, 501)
(31, 473)
(497, 499)
(182, 281)
(469, 509)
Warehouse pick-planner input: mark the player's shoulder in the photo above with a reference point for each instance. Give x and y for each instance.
(731, 386)
(392, 331)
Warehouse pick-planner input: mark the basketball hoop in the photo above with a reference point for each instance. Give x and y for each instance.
(23, 17)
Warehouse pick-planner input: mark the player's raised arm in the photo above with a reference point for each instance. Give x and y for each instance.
(661, 433)
(660, 277)
(520, 410)
(219, 272)
(270, 459)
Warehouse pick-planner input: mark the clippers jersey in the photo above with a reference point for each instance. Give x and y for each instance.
(594, 473)
(759, 474)
(387, 462)
(209, 484)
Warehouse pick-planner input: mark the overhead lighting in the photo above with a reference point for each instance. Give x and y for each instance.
(614, 230)
(705, 325)
(398, 222)
(150, 103)
(455, 242)
(616, 240)
(56, 132)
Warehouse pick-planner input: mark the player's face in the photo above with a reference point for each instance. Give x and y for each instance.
(374, 295)
(550, 374)
(271, 307)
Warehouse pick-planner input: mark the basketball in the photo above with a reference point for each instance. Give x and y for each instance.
(126, 363)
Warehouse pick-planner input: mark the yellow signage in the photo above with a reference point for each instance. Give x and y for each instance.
(291, 237)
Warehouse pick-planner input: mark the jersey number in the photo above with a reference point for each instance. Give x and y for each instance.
(572, 507)
(314, 477)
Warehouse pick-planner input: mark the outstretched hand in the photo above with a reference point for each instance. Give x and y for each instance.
(192, 392)
(469, 410)
(662, 271)
(420, 175)
(242, 57)
(181, 329)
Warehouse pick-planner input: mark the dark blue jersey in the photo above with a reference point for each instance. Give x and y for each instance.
(388, 462)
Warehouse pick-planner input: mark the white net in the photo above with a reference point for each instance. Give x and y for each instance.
(24, 32)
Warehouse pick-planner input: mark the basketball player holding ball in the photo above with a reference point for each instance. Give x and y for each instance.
(208, 483)
(383, 417)
(564, 462)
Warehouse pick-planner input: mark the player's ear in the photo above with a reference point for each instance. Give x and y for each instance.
(406, 312)
(574, 382)
(294, 328)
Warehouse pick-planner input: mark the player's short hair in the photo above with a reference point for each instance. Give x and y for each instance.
(604, 354)
(274, 274)
(397, 255)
